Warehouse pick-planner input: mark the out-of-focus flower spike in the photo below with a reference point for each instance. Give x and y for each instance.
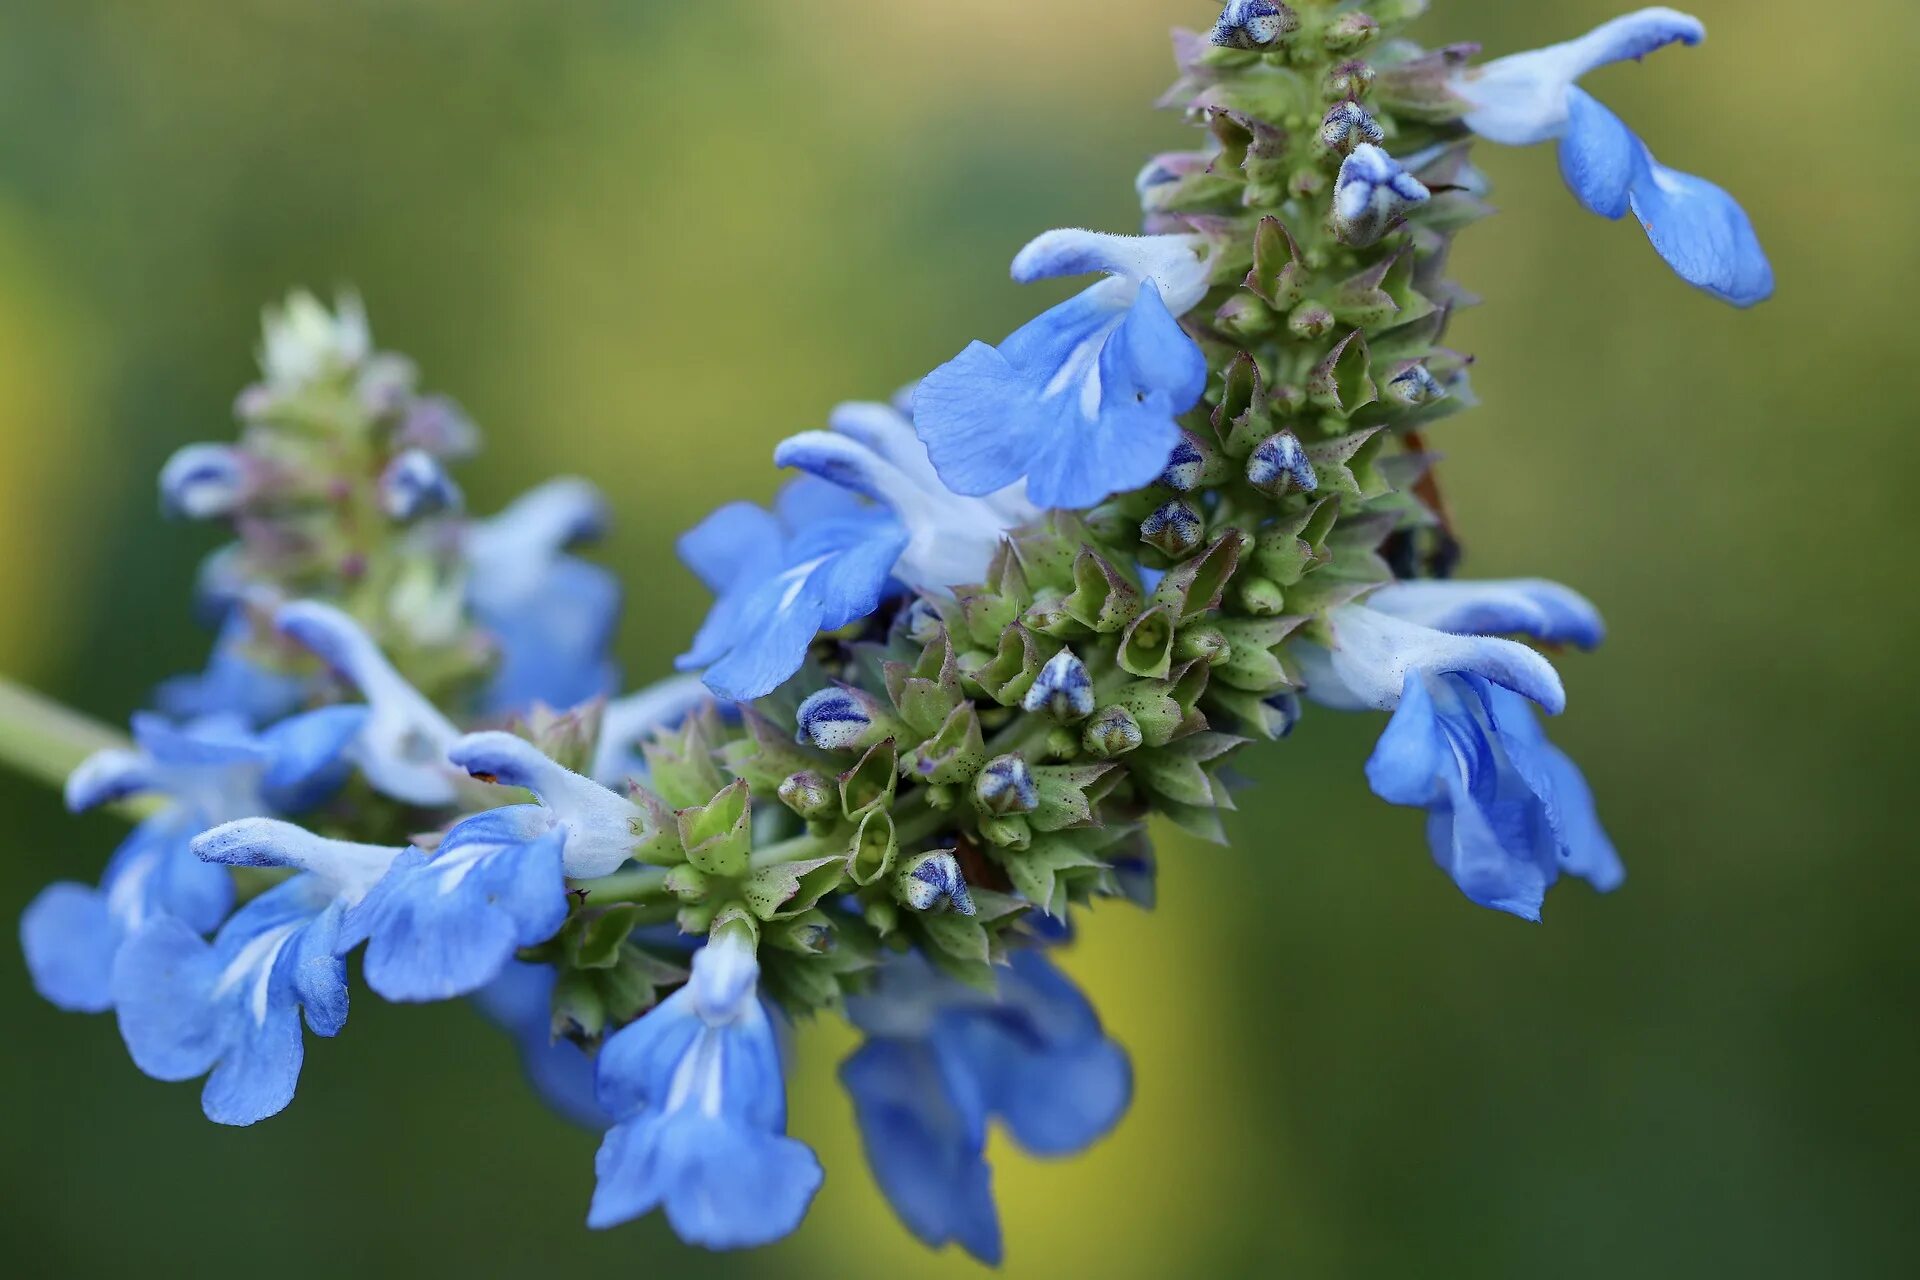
(303, 340)
(402, 748)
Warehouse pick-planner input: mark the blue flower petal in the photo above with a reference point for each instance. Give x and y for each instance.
(1533, 607)
(303, 750)
(924, 1132)
(69, 939)
(446, 924)
(1703, 233)
(520, 1001)
(723, 1186)
(1599, 156)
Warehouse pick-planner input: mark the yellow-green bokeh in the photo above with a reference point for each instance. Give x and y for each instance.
(643, 240)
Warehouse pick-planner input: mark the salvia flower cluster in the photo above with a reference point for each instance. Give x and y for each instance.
(988, 632)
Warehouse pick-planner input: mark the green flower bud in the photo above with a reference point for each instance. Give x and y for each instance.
(688, 883)
(1261, 597)
(808, 794)
(1309, 320)
(1349, 33)
(1203, 644)
(1010, 832)
(1112, 732)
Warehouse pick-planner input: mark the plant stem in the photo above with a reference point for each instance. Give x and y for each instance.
(46, 741)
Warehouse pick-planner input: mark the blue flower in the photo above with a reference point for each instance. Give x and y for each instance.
(233, 682)
(941, 1060)
(1701, 231)
(821, 559)
(209, 772)
(402, 747)
(871, 450)
(232, 1008)
(1082, 400)
(520, 1002)
(552, 615)
(1507, 811)
(696, 1085)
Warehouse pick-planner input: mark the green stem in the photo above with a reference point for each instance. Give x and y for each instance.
(46, 741)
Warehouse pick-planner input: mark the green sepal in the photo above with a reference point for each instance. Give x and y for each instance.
(1278, 275)
(1258, 596)
(1047, 551)
(1179, 772)
(1346, 465)
(1295, 545)
(870, 784)
(928, 691)
(961, 937)
(1244, 318)
(1146, 646)
(1255, 663)
(578, 1011)
(718, 835)
(1202, 642)
(1068, 794)
(680, 764)
(594, 938)
(1249, 711)
(1343, 381)
(1015, 665)
(1242, 419)
(657, 831)
(804, 933)
(1194, 587)
(1008, 831)
(871, 852)
(688, 883)
(1103, 597)
(1036, 874)
(954, 754)
(786, 889)
(1383, 292)
(1048, 616)
(1111, 732)
(767, 755)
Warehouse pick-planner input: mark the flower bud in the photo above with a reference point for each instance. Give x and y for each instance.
(1243, 318)
(204, 481)
(688, 883)
(1279, 465)
(1254, 24)
(1203, 644)
(1261, 597)
(1310, 320)
(808, 794)
(1350, 79)
(1414, 386)
(1174, 528)
(932, 881)
(1184, 466)
(1348, 124)
(1371, 194)
(1063, 689)
(1113, 732)
(1283, 714)
(839, 719)
(1005, 786)
(415, 484)
(1350, 32)
(1011, 832)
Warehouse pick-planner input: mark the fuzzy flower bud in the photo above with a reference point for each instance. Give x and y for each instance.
(1278, 464)
(205, 481)
(838, 719)
(808, 794)
(1371, 194)
(1347, 125)
(414, 485)
(1254, 24)
(932, 881)
(1063, 689)
(1005, 786)
(1113, 732)
(1174, 528)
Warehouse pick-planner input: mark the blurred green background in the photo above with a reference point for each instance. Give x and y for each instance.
(643, 240)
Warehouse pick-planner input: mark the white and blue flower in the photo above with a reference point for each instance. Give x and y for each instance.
(1082, 400)
(231, 1009)
(552, 615)
(942, 1060)
(872, 516)
(1508, 813)
(402, 746)
(208, 772)
(627, 720)
(1526, 98)
(697, 1089)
